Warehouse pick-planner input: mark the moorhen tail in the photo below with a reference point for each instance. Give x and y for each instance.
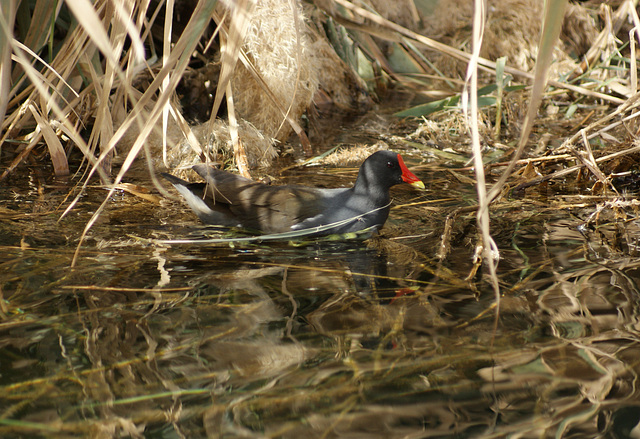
(230, 200)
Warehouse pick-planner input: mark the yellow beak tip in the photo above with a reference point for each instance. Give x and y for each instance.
(418, 185)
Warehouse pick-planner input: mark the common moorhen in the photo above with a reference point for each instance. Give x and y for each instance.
(231, 200)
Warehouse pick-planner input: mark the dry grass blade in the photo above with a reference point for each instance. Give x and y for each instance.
(124, 12)
(590, 161)
(7, 18)
(166, 50)
(42, 85)
(231, 50)
(238, 149)
(634, 72)
(187, 131)
(87, 15)
(177, 63)
(44, 82)
(120, 25)
(49, 68)
(58, 157)
(103, 128)
(488, 252)
(554, 12)
(50, 87)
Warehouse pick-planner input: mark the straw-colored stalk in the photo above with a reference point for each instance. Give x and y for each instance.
(488, 251)
(176, 65)
(554, 12)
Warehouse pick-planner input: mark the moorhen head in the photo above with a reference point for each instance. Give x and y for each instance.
(230, 200)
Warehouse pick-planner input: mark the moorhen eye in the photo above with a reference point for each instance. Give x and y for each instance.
(389, 165)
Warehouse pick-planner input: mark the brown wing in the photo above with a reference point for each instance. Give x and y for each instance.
(271, 209)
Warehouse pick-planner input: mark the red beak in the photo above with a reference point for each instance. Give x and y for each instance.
(408, 176)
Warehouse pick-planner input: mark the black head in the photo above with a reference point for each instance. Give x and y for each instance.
(384, 169)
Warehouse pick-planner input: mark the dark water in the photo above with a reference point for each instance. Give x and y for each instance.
(374, 338)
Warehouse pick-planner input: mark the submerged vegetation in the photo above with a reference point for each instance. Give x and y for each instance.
(501, 303)
(98, 85)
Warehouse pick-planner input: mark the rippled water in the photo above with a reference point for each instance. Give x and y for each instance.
(373, 338)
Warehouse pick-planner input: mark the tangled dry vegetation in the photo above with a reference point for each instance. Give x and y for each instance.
(90, 87)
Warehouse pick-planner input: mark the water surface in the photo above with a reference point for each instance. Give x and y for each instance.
(358, 338)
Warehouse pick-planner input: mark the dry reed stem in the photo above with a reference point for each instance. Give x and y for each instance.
(56, 151)
(166, 50)
(7, 19)
(177, 63)
(231, 38)
(488, 252)
(238, 149)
